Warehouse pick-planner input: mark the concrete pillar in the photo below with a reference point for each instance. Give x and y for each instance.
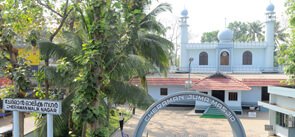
(15, 124)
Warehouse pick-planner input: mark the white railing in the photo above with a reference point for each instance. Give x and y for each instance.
(228, 69)
(213, 45)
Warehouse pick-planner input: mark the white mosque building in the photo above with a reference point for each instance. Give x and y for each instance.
(236, 73)
(228, 56)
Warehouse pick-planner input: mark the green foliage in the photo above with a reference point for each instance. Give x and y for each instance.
(50, 50)
(60, 122)
(122, 92)
(210, 36)
(7, 92)
(247, 32)
(286, 52)
(254, 32)
(104, 45)
(20, 76)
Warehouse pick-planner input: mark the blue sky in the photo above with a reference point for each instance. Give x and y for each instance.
(209, 15)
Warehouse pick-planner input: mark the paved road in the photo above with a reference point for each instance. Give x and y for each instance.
(182, 122)
(6, 124)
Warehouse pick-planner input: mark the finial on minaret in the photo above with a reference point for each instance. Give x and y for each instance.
(270, 14)
(184, 26)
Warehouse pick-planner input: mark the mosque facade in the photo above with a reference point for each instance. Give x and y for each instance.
(236, 73)
(228, 56)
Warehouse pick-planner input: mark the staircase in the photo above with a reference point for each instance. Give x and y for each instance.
(212, 112)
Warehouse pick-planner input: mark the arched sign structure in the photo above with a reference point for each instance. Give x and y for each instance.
(235, 123)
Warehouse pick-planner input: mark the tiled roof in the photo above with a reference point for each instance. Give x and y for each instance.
(228, 81)
(220, 82)
(165, 81)
(263, 82)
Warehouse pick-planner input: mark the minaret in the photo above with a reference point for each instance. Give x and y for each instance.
(269, 36)
(184, 40)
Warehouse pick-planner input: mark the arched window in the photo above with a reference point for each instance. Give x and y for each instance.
(247, 58)
(203, 58)
(224, 58)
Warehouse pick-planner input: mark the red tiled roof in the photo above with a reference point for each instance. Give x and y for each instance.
(263, 82)
(216, 83)
(165, 81)
(220, 82)
(4, 81)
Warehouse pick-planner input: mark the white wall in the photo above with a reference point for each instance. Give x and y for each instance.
(257, 57)
(154, 91)
(232, 103)
(285, 102)
(281, 131)
(252, 95)
(211, 58)
(236, 59)
(279, 97)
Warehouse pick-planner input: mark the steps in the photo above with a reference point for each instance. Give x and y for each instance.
(212, 112)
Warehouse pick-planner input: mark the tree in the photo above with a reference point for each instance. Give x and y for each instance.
(63, 16)
(254, 32)
(173, 30)
(287, 51)
(114, 55)
(280, 34)
(20, 18)
(210, 36)
(240, 30)
(247, 32)
(110, 43)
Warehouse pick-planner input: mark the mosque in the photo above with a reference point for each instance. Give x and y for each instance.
(228, 56)
(237, 73)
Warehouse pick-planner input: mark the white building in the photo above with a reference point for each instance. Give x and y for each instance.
(281, 111)
(232, 72)
(226, 55)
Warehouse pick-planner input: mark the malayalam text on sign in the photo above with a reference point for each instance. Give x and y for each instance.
(32, 105)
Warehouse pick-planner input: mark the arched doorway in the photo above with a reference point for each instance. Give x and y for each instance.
(224, 58)
(235, 123)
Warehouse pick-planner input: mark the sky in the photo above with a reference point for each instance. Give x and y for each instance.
(210, 15)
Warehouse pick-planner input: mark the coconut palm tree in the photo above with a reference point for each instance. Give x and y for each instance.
(121, 62)
(280, 34)
(148, 40)
(255, 31)
(240, 29)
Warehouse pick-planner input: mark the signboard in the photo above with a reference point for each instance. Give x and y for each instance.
(30, 54)
(251, 114)
(32, 105)
(235, 123)
(268, 127)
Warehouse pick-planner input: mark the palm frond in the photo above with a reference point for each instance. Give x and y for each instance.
(51, 50)
(122, 92)
(152, 25)
(133, 66)
(149, 22)
(163, 7)
(73, 40)
(156, 49)
(60, 122)
(57, 78)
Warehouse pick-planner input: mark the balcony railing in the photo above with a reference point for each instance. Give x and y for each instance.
(228, 69)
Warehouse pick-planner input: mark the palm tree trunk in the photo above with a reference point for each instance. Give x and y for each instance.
(133, 110)
(84, 125)
(46, 80)
(109, 105)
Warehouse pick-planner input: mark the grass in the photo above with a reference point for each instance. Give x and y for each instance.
(114, 119)
(213, 116)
